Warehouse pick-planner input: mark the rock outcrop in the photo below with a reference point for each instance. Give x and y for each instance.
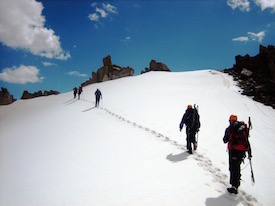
(156, 66)
(256, 75)
(51, 92)
(27, 95)
(109, 71)
(5, 97)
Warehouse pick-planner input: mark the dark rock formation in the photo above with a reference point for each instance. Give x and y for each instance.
(109, 71)
(256, 75)
(51, 92)
(5, 97)
(156, 66)
(27, 95)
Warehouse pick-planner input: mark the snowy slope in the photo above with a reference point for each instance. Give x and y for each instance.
(59, 151)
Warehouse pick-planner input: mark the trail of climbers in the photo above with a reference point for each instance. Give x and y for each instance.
(204, 162)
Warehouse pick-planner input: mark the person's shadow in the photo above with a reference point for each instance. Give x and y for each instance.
(177, 157)
(86, 110)
(70, 102)
(224, 200)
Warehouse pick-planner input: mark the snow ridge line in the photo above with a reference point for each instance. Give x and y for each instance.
(203, 161)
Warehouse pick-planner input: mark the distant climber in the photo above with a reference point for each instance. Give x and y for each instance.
(75, 92)
(79, 91)
(98, 96)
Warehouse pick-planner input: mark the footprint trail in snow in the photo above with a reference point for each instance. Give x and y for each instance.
(217, 175)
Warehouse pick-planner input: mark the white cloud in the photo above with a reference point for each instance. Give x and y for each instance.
(257, 36)
(243, 5)
(102, 11)
(21, 75)
(22, 27)
(241, 39)
(266, 4)
(126, 39)
(47, 64)
(251, 37)
(94, 4)
(110, 8)
(93, 17)
(76, 73)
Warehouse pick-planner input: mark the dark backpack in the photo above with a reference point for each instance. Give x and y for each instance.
(192, 120)
(195, 123)
(240, 135)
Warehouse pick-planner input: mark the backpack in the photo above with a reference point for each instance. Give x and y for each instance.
(195, 125)
(192, 120)
(239, 136)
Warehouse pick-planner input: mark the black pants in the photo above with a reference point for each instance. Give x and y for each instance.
(97, 101)
(235, 160)
(190, 138)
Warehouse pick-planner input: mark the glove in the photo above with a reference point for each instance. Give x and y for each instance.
(181, 126)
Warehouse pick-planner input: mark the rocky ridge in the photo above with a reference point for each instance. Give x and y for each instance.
(5, 97)
(256, 75)
(156, 66)
(27, 95)
(109, 71)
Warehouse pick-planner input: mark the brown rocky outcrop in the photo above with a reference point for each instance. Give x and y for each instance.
(109, 71)
(256, 75)
(27, 95)
(51, 92)
(156, 66)
(5, 97)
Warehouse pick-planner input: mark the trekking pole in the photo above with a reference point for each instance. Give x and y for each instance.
(197, 139)
(252, 174)
(250, 163)
(249, 123)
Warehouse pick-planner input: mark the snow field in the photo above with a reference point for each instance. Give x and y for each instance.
(59, 151)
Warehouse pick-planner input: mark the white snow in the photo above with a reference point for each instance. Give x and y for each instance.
(57, 150)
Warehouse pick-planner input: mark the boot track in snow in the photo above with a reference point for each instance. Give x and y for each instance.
(203, 161)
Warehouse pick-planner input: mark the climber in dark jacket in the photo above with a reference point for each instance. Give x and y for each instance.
(98, 96)
(191, 119)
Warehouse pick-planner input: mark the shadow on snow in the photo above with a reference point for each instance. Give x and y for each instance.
(224, 200)
(178, 157)
(86, 110)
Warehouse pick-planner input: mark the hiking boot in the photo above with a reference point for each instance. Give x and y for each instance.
(233, 190)
(195, 145)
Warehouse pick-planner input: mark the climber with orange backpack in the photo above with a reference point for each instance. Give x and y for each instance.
(236, 135)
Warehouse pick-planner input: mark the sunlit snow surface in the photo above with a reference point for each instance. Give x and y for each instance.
(57, 150)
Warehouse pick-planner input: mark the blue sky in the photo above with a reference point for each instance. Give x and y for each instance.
(56, 44)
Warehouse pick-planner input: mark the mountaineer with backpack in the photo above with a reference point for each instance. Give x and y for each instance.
(191, 119)
(98, 95)
(236, 135)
